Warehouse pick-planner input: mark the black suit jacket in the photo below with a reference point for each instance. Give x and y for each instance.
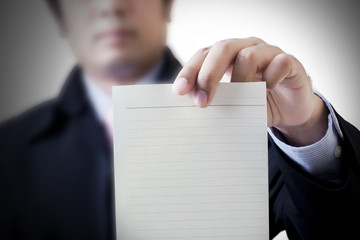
(56, 177)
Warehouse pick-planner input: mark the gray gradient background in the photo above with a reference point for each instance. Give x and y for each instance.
(323, 35)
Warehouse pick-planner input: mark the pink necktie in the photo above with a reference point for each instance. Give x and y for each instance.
(109, 123)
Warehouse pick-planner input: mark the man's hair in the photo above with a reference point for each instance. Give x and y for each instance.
(55, 6)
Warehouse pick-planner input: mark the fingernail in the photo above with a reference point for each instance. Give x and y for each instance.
(180, 85)
(201, 98)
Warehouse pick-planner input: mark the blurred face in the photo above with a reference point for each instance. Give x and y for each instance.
(115, 38)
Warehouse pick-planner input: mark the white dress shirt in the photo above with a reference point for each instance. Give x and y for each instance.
(101, 100)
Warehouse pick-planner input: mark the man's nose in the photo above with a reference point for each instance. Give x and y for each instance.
(109, 7)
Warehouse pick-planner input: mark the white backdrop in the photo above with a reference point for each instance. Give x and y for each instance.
(322, 34)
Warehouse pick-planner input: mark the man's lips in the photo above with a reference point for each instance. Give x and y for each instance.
(115, 36)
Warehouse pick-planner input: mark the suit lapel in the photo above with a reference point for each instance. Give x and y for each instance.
(169, 69)
(93, 149)
(75, 106)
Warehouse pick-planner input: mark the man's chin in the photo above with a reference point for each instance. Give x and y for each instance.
(121, 70)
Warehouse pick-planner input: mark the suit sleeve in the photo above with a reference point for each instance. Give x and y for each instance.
(8, 152)
(310, 208)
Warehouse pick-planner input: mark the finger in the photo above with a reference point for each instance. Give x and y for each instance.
(253, 60)
(186, 79)
(218, 60)
(283, 66)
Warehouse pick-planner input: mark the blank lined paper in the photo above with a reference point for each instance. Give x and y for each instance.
(183, 172)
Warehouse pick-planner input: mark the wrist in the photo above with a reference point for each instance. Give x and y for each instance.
(310, 131)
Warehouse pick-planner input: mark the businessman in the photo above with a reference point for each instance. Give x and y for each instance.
(56, 159)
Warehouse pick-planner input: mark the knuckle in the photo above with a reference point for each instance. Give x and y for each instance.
(247, 55)
(279, 50)
(204, 51)
(284, 60)
(256, 40)
(224, 45)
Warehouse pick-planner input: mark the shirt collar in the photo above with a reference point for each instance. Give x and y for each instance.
(101, 100)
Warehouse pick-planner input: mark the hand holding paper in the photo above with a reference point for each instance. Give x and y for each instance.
(292, 107)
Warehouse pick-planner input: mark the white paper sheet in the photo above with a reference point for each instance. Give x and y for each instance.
(183, 172)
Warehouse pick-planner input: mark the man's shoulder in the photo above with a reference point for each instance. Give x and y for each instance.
(40, 121)
(18, 129)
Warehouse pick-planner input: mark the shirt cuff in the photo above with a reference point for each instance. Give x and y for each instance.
(321, 159)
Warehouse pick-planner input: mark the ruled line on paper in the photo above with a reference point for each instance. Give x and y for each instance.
(193, 106)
